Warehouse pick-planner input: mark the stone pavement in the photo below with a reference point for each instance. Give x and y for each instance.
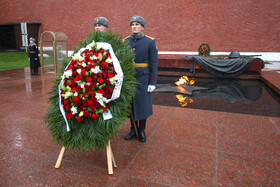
(185, 147)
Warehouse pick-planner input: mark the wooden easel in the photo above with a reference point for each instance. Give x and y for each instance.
(110, 158)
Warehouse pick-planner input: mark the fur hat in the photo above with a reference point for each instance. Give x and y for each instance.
(32, 39)
(101, 21)
(138, 19)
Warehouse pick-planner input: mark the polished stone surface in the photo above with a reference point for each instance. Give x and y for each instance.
(184, 147)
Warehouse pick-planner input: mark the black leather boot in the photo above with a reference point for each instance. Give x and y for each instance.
(142, 135)
(132, 132)
(36, 71)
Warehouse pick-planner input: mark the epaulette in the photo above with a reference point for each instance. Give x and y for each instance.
(149, 37)
(126, 38)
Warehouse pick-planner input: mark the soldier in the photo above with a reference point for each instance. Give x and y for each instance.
(146, 62)
(33, 57)
(101, 24)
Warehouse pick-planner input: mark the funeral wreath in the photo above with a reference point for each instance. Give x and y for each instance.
(91, 96)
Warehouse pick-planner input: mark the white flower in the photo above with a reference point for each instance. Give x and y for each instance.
(74, 110)
(77, 56)
(99, 96)
(93, 57)
(101, 102)
(68, 94)
(98, 46)
(81, 113)
(76, 94)
(82, 84)
(93, 43)
(114, 79)
(68, 73)
(84, 64)
(96, 70)
(79, 71)
(109, 60)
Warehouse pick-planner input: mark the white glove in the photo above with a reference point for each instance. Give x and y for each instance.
(29, 59)
(35, 58)
(151, 88)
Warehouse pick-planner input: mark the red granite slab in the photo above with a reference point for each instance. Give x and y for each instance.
(185, 146)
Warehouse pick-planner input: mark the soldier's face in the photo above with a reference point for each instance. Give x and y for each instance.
(31, 41)
(136, 27)
(101, 28)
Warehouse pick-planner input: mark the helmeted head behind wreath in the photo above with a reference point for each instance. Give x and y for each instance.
(101, 21)
(138, 19)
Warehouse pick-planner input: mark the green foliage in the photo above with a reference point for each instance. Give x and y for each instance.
(13, 60)
(94, 134)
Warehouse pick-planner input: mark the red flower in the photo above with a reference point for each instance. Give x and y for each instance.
(96, 54)
(103, 108)
(92, 84)
(100, 91)
(110, 75)
(83, 70)
(75, 99)
(91, 92)
(79, 119)
(76, 79)
(82, 77)
(90, 102)
(78, 88)
(104, 74)
(108, 105)
(97, 105)
(73, 90)
(66, 101)
(94, 116)
(84, 103)
(85, 95)
(100, 80)
(87, 87)
(93, 98)
(70, 115)
(103, 63)
(106, 94)
(89, 79)
(107, 82)
(86, 113)
(100, 51)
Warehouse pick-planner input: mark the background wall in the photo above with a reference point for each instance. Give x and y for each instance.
(177, 25)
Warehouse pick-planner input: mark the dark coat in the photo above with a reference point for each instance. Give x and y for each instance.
(33, 56)
(145, 52)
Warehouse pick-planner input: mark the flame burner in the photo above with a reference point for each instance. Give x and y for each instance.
(181, 89)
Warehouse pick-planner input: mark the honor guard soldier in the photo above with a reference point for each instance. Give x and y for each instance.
(101, 24)
(33, 57)
(146, 64)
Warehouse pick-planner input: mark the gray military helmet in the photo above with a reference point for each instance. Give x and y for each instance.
(138, 19)
(101, 21)
(234, 54)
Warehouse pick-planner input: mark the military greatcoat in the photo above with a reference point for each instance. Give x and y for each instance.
(145, 53)
(33, 56)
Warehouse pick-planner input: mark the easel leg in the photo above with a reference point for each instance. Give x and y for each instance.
(109, 158)
(58, 162)
(113, 159)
